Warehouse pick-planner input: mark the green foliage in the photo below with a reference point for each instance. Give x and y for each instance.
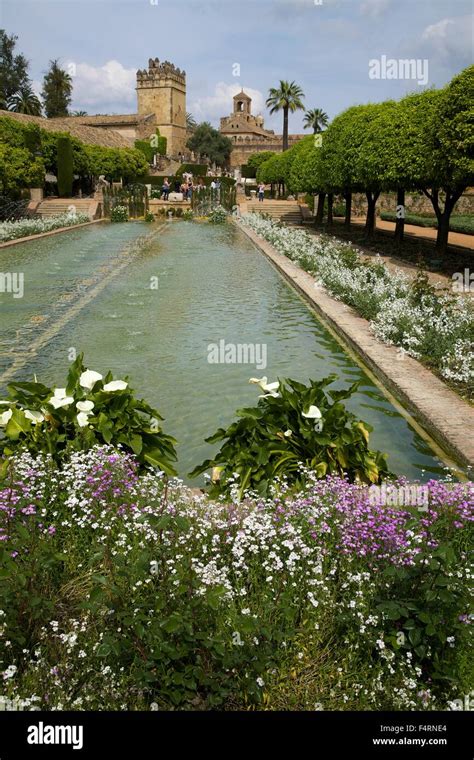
(13, 69)
(18, 170)
(426, 608)
(274, 438)
(65, 167)
(88, 411)
(149, 217)
(218, 215)
(208, 143)
(457, 223)
(119, 213)
(57, 91)
(257, 159)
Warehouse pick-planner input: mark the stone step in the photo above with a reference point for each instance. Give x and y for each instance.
(56, 206)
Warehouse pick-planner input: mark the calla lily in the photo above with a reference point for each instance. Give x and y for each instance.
(59, 393)
(82, 419)
(269, 388)
(35, 417)
(89, 378)
(85, 406)
(60, 402)
(115, 385)
(288, 433)
(5, 417)
(313, 413)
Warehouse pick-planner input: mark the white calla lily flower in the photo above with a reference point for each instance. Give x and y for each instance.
(82, 419)
(35, 417)
(115, 385)
(59, 393)
(85, 406)
(58, 403)
(313, 413)
(288, 433)
(5, 417)
(89, 378)
(269, 388)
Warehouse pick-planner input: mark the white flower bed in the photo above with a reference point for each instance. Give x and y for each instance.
(438, 329)
(36, 225)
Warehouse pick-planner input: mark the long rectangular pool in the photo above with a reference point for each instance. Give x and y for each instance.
(147, 303)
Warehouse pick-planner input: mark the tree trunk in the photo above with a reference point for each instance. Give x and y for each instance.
(330, 205)
(443, 216)
(443, 231)
(370, 220)
(347, 218)
(320, 211)
(285, 128)
(400, 223)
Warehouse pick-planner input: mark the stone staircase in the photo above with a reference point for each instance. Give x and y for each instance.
(55, 206)
(289, 212)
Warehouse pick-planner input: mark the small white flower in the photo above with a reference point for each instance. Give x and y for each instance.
(260, 682)
(288, 433)
(89, 378)
(154, 567)
(115, 385)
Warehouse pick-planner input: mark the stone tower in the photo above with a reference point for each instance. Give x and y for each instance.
(161, 90)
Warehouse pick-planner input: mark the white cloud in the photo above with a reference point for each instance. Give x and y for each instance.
(110, 87)
(374, 8)
(450, 38)
(212, 107)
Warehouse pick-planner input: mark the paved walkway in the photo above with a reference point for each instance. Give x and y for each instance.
(426, 233)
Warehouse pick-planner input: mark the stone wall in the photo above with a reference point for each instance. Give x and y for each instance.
(415, 203)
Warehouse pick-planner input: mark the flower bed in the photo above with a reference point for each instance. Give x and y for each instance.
(123, 591)
(437, 329)
(37, 225)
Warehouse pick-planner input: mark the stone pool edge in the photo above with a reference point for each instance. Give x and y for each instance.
(443, 414)
(26, 239)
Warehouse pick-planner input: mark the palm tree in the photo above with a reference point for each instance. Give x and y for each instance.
(316, 119)
(191, 122)
(286, 97)
(25, 101)
(79, 113)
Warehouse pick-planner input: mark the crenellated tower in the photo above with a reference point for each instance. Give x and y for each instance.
(161, 90)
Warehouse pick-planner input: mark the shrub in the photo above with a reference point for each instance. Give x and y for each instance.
(122, 591)
(36, 225)
(149, 217)
(188, 215)
(218, 215)
(90, 409)
(65, 167)
(119, 214)
(293, 425)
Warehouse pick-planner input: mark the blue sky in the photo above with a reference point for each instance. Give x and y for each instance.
(325, 48)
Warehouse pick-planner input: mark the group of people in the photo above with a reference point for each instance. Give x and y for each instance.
(187, 187)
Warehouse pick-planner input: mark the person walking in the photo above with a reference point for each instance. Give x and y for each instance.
(261, 192)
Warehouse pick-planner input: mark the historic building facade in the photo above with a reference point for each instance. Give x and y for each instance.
(247, 132)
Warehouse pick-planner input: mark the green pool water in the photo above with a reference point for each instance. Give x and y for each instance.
(147, 302)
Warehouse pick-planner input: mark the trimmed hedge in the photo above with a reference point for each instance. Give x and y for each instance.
(458, 223)
(65, 167)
